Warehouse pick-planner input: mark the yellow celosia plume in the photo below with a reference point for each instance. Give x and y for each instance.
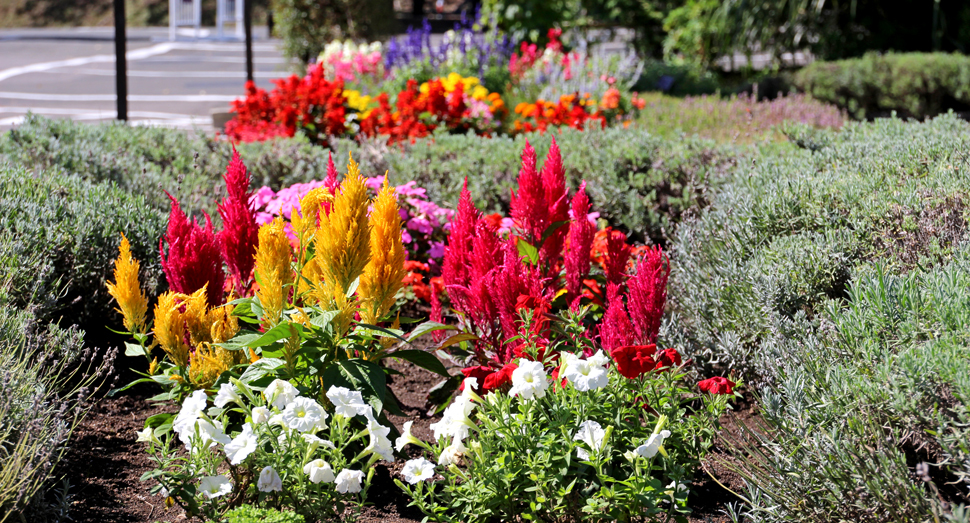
(343, 239)
(273, 257)
(222, 324)
(305, 221)
(127, 291)
(383, 275)
(170, 328)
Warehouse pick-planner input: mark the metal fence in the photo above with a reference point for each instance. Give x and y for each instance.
(182, 13)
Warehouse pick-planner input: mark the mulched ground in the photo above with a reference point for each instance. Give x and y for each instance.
(104, 463)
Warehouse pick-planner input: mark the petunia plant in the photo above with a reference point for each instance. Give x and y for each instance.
(575, 436)
(273, 447)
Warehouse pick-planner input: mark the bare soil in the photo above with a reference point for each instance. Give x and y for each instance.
(105, 463)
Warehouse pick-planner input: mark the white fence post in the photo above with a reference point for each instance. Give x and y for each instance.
(183, 13)
(230, 11)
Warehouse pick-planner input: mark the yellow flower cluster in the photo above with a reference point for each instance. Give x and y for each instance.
(358, 102)
(127, 291)
(470, 85)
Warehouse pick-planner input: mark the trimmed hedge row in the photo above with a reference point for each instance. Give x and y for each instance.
(914, 85)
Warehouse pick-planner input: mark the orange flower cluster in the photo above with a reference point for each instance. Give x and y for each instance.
(571, 110)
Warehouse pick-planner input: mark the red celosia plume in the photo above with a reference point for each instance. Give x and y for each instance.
(648, 294)
(580, 242)
(615, 330)
(239, 234)
(193, 259)
(557, 203)
(528, 206)
(617, 256)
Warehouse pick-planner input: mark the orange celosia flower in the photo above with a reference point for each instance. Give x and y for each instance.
(127, 291)
(273, 257)
(170, 328)
(385, 270)
(343, 238)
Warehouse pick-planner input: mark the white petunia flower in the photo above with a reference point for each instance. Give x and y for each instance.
(315, 442)
(468, 390)
(242, 445)
(147, 435)
(227, 392)
(215, 486)
(261, 415)
(280, 393)
(347, 403)
(592, 434)
(380, 444)
(455, 422)
(303, 415)
(417, 470)
(269, 480)
(406, 438)
(653, 444)
(203, 433)
(319, 471)
(675, 487)
(452, 453)
(529, 381)
(599, 359)
(587, 374)
(348, 481)
(192, 408)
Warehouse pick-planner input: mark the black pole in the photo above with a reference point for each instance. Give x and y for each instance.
(248, 25)
(121, 64)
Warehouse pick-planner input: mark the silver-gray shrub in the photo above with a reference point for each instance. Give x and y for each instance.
(835, 278)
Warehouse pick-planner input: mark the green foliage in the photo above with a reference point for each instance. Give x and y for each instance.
(58, 238)
(912, 84)
(306, 26)
(251, 514)
(834, 276)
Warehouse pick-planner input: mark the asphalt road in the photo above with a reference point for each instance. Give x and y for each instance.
(70, 74)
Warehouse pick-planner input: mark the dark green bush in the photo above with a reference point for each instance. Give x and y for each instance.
(306, 26)
(835, 278)
(251, 514)
(59, 236)
(914, 85)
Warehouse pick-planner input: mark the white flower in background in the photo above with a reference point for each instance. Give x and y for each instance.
(203, 434)
(653, 444)
(319, 471)
(163, 492)
(455, 422)
(452, 453)
(269, 480)
(588, 374)
(280, 393)
(599, 359)
(347, 403)
(242, 445)
(592, 434)
(260, 415)
(529, 380)
(417, 470)
(227, 392)
(147, 436)
(315, 442)
(193, 407)
(406, 438)
(675, 487)
(215, 486)
(348, 481)
(303, 415)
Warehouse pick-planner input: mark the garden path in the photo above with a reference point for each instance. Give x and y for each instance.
(69, 73)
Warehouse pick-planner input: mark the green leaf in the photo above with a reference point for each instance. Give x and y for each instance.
(422, 359)
(130, 385)
(440, 394)
(261, 368)
(239, 341)
(360, 375)
(275, 334)
(353, 287)
(134, 349)
(552, 230)
(389, 332)
(323, 319)
(458, 338)
(426, 327)
(528, 251)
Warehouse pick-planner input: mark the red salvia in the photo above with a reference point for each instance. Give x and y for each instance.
(239, 234)
(580, 241)
(647, 294)
(193, 259)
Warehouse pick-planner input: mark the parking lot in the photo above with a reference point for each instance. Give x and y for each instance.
(70, 74)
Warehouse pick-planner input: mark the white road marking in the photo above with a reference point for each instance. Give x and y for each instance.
(168, 74)
(112, 97)
(88, 112)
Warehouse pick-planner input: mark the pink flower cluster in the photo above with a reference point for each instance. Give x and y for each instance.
(348, 61)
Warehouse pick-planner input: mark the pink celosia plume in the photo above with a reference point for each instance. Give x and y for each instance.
(330, 182)
(193, 258)
(647, 294)
(240, 233)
